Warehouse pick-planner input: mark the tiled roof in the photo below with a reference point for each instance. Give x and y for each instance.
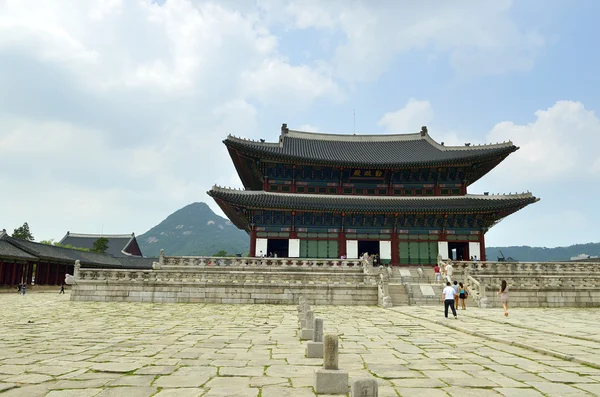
(314, 202)
(61, 254)
(117, 243)
(366, 150)
(136, 262)
(7, 250)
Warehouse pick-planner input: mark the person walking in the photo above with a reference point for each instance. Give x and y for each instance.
(455, 286)
(448, 296)
(504, 296)
(449, 271)
(436, 271)
(62, 289)
(24, 288)
(462, 295)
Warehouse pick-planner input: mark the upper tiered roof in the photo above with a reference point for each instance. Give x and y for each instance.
(390, 151)
(399, 151)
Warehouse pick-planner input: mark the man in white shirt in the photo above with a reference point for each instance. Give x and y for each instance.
(449, 272)
(448, 299)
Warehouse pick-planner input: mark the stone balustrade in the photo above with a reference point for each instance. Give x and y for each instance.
(211, 261)
(532, 284)
(490, 267)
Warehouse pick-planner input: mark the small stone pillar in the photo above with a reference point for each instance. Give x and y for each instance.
(306, 333)
(330, 379)
(364, 387)
(314, 348)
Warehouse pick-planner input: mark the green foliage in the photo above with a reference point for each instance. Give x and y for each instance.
(23, 233)
(100, 245)
(221, 253)
(194, 230)
(69, 246)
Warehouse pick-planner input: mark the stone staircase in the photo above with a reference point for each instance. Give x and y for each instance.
(414, 285)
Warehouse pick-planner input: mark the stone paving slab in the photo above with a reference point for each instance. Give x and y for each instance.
(81, 349)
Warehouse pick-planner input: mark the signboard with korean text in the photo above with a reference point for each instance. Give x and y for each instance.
(359, 173)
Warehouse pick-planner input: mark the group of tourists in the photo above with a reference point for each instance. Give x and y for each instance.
(455, 292)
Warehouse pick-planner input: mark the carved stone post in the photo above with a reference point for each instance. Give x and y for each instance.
(330, 379)
(364, 387)
(314, 348)
(306, 333)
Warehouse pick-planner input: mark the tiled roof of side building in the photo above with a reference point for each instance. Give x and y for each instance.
(312, 202)
(117, 243)
(61, 254)
(366, 150)
(9, 251)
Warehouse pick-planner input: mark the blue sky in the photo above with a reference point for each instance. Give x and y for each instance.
(112, 112)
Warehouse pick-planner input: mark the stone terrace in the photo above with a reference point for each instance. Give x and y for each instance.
(50, 346)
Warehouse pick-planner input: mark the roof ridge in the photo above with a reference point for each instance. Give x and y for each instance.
(484, 196)
(129, 236)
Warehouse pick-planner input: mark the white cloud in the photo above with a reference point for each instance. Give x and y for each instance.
(560, 144)
(277, 82)
(480, 37)
(408, 119)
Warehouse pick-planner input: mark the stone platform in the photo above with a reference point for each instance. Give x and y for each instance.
(51, 346)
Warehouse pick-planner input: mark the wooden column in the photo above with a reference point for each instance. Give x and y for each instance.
(55, 278)
(29, 275)
(482, 246)
(342, 239)
(13, 274)
(395, 254)
(1, 272)
(253, 242)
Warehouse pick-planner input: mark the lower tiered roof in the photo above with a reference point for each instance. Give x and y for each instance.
(233, 202)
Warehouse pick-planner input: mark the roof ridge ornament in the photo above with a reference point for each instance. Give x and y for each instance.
(424, 130)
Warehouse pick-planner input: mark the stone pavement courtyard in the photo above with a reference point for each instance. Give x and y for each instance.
(50, 346)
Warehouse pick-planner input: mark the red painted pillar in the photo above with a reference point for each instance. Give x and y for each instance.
(341, 243)
(12, 274)
(395, 253)
(482, 246)
(252, 242)
(29, 277)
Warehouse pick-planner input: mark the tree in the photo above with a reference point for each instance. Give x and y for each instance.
(100, 245)
(23, 233)
(221, 253)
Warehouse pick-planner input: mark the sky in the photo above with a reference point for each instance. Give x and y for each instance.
(113, 112)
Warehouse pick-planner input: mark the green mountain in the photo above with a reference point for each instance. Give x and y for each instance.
(194, 230)
(543, 254)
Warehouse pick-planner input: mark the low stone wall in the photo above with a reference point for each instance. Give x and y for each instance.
(193, 280)
(547, 284)
(276, 293)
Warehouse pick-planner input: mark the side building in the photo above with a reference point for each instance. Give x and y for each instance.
(119, 245)
(404, 197)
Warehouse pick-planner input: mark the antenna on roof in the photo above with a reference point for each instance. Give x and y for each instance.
(354, 121)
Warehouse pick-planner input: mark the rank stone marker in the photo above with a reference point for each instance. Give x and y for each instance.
(330, 379)
(314, 348)
(364, 387)
(306, 333)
